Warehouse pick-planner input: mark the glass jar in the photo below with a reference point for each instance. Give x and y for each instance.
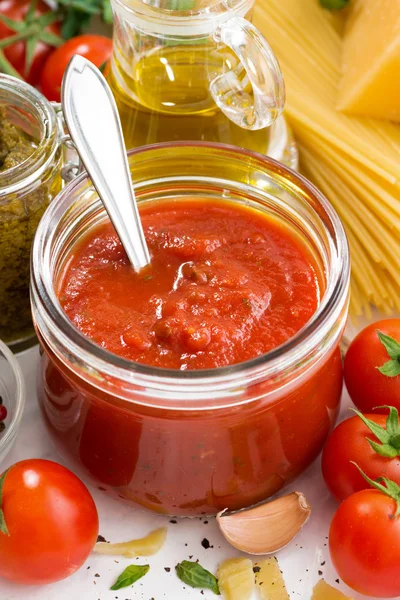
(25, 192)
(193, 442)
(197, 70)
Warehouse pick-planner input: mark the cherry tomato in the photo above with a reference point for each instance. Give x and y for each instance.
(16, 53)
(364, 542)
(51, 519)
(348, 442)
(368, 387)
(96, 48)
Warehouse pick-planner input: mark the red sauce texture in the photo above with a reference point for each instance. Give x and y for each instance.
(226, 284)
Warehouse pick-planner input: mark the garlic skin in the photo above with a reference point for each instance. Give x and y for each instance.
(266, 528)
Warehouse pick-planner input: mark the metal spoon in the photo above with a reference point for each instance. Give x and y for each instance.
(92, 118)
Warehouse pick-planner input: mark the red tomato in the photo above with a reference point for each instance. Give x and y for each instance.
(348, 442)
(16, 10)
(96, 48)
(367, 386)
(364, 542)
(52, 523)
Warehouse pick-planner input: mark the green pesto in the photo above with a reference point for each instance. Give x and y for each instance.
(15, 145)
(20, 214)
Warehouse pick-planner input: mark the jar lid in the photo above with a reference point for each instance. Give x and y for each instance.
(183, 18)
(36, 116)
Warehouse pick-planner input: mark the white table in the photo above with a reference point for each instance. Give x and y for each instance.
(302, 562)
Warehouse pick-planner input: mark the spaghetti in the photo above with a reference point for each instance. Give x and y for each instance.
(354, 161)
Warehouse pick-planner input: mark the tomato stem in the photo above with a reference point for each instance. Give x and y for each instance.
(390, 488)
(21, 35)
(391, 368)
(31, 31)
(31, 11)
(6, 66)
(389, 437)
(3, 524)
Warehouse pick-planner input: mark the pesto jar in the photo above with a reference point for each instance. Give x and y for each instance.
(28, 182)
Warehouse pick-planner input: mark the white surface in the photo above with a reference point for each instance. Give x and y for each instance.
(300, 563)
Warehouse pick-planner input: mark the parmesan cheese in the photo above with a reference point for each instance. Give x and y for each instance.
(323, 591)
(269, 580)
(370, 84)
(146, 546)
(236, 579)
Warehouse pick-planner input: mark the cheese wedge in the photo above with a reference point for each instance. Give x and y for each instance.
(236, 579)
(370, 84)
(269, 580)
(146, 546)
(323, 591)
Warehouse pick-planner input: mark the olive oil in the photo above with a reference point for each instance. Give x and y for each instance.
(163, 95)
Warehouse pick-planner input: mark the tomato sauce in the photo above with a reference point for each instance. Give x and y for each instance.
(188, 462)
(226, 284)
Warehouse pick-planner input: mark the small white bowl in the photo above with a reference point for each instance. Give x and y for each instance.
(12, 392)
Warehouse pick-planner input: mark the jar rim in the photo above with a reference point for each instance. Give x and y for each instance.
(309, 337)
(31, 169)
(206, 9)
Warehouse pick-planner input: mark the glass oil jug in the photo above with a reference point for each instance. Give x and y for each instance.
(197, 70)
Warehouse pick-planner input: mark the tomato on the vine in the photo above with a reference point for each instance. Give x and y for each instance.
(373, 442)
(96, 48)
(48, 522)
(16, 53)
(364, 540)
(372, 366)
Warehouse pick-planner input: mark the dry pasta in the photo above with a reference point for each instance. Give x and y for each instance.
(354, 161)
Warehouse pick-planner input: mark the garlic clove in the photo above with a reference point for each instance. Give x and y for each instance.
(268, 527)
(146, 546)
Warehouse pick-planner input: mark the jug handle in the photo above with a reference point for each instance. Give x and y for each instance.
(259, 69)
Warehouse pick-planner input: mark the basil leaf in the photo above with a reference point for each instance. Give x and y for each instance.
(130, 575)
(107, 12)
(196, 576)
(71, 24)
(334, 4)
(77, 15)
(83, 6)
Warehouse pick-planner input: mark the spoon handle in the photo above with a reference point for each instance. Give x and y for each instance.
(92, 118)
